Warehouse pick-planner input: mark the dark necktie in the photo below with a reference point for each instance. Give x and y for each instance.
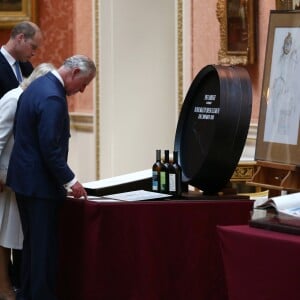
(18, 71)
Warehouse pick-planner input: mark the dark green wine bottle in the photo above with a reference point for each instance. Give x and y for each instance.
(158, 174)
(167, 165)
(175, 176)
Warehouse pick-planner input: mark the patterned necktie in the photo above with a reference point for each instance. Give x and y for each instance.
(18, 72)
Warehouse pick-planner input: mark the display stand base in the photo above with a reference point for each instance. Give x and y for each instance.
(276, 176)
(225, 194)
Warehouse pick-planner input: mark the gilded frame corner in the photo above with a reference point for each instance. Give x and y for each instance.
(13, 12)
(287, 4)
(237, 31)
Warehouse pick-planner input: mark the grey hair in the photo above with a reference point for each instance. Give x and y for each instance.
(29, 29)
(38, 71)
(85, 64)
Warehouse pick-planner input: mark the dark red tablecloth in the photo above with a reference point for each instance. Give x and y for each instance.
(156, 250)
(260, 264)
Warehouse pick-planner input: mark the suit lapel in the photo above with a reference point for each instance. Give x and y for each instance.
(6, 68)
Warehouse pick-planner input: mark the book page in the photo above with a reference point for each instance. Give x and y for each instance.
(280, 202)
(287, 201)
(94, 198)
(263, 203)
(137, 195)
(118, 180)
(293, 211)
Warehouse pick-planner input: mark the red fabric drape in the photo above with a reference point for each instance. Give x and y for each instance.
(156, 250)
(260, 264)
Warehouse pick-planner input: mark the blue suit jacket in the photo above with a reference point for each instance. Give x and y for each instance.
(8, 80)
(38, 164)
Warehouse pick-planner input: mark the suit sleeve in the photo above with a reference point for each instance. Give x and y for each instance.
(54, 134)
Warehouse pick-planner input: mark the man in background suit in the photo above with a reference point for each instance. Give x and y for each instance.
(38, 171)
(25, 39)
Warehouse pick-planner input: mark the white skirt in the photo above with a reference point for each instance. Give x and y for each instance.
(11, 234)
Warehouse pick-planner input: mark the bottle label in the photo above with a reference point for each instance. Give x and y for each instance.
(172, 182)
(155, 181)
(163, 185)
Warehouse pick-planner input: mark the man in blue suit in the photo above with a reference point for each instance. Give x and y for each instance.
(25, 38)
(38, 171)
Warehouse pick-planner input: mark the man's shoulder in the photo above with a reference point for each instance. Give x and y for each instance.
(2, 58)
(7, 78)
(51, 87)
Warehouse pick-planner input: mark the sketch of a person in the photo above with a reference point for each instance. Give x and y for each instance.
(282, 117)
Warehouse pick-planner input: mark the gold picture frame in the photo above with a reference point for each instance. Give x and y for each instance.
(237, 31)
(278, 135)
(287, 4)
(15, 11)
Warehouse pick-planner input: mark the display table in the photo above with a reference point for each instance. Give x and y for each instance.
(147, 250)
(260, 264)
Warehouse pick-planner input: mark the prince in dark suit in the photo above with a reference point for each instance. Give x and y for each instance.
(8, 80)
(24, 40)
(38, 171)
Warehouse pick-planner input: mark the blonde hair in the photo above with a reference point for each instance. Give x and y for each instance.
(38, 71)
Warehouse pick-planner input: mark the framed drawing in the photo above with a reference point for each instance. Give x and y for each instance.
(14, 11)
(278, 125)
(237, 31)
(287, 4)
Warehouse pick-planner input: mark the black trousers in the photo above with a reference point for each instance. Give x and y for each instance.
(39, 218)
(15, 268)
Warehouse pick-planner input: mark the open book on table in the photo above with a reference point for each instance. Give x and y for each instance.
(285, 204)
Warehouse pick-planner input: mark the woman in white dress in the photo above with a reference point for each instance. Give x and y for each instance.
(11, 236)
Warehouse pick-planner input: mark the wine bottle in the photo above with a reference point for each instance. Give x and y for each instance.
(167, 165)
(158, 173)
(175, 176)
(163, 178)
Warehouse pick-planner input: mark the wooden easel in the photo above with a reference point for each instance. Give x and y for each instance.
(277, 177)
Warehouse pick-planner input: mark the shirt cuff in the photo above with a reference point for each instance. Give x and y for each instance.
(70, 183)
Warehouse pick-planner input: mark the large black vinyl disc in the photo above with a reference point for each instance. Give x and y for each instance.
(213, 126)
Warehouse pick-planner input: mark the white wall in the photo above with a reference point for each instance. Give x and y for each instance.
(82, 155)
(138, 100)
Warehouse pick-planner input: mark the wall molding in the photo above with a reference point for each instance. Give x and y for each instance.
(97, 86)
(252, 131)
(250, 145)
(180, 96)
(82, 122)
